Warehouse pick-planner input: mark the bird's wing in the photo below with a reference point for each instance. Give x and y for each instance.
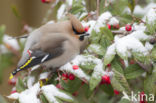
(50, 47)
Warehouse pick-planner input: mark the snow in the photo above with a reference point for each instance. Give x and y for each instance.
(139, 10)
(148, 46)
(102, 20)
(50, 92)
(27, 96)
(90, 23)
(44, 75)
(150, 16)
(111, 50)
(10, 41)
(140, 26)
(30, 95)
(13, 96)
(113, 21)
(79, 72)
(30, 81)
(130, 43)
(140, 35)
(60, 12)
(98, 69)
(69, 2)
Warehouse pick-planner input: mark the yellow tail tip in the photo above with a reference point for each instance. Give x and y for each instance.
(11, 76)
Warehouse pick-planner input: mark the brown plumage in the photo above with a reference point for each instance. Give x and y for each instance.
(53, 44)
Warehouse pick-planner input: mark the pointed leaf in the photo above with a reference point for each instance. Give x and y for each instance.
(123, 82)
(20, 85)
(133, 71)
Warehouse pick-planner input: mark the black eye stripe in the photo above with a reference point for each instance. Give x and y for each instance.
(76, 32)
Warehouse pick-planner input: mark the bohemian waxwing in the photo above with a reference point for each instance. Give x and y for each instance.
(53, 44)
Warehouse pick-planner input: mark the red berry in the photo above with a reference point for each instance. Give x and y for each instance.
(14, 91)
(75, 94)
(109, 26)
(108, 65)
(65, 76)
(82, 83)
(71, 77)
(12, 81)
(142, 97)
(116, 92)
(132, 62)
(75, 67)
(59, 86)
(46, 1)
(86, 28)
(105, 80)
(128, 27)
(116, 26)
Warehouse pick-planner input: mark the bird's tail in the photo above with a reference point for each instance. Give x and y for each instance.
(32, 61)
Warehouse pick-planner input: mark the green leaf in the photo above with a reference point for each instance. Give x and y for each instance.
(97, 49)
(109, 56)
(43, 99)
(87, 90)
(87, 65)
(131, 5)
(124, 100)
(104, 42)
(72, 85)
(141, 57)
(20, 85)
(108, 89)
(153, 54)
(2, 30)
(150, 82)
(122, 82)
(133, 71)
(151, 27)
(15, 11)
(71, 99)
(116, 65)
(95, 37)
(107, 33)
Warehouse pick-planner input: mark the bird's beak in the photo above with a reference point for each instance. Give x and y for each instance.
(85, 34)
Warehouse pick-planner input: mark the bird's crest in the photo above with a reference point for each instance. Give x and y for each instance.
(77, 26)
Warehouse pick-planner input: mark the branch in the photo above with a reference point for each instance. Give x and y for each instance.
(145, 67)
(97, 8)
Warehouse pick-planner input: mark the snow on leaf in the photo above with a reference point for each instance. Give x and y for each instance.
(30, 95)
(102, 20)
(97, 74)
(96, 48)
(110, 53)
(150, 16)
(51, 92)
(13, 96)
(140, 35)
(113, 21)
(79, 72)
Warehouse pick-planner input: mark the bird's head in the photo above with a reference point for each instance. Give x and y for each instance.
(77, 27)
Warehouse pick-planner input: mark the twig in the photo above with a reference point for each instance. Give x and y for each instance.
(140, 20)
(97, 8)
(121, 32)
(18, 37)
(145, 67)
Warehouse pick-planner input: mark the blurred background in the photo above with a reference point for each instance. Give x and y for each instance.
(18, 17)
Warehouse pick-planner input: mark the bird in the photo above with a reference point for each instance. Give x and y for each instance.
(53, 45)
